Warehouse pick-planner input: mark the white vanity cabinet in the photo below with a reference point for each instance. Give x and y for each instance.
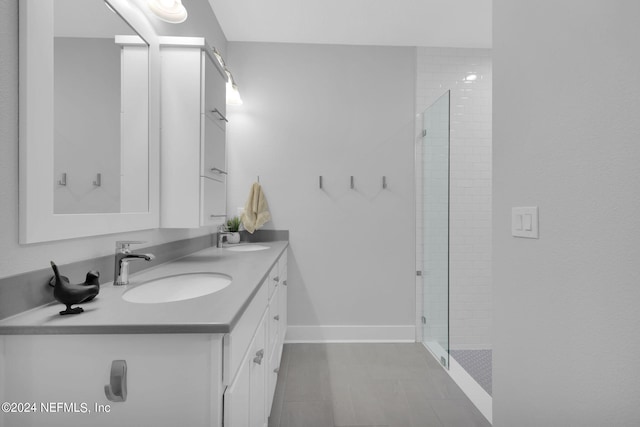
(178, 379)
(253, 380)
(193, 134)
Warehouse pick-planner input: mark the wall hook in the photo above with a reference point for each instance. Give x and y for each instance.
(320, 182)
(384, 182)
(351, 183)
(258, 179)
(98, 181)
(63, 180)
(116, 390)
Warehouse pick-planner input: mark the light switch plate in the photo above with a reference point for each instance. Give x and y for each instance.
(524, 222)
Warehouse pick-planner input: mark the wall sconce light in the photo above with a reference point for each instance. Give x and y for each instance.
(171, 11)
(233, 95)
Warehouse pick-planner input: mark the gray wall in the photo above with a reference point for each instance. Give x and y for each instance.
(15, 258)
(334, 111)
(567, 139)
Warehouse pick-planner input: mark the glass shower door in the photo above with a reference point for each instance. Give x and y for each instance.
(435, 239)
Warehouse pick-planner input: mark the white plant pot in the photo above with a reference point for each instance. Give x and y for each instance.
(233, 237)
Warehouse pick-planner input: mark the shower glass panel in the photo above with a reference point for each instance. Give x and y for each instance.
(435, 240)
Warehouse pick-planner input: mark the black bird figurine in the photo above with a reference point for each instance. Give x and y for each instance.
(69, 294)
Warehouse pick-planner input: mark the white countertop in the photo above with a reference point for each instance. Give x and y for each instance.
(108, 313)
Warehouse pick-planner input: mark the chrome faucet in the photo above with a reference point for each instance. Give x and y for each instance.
(123, 257)
(222, 234)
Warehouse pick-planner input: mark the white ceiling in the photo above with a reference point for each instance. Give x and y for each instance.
(444, 23)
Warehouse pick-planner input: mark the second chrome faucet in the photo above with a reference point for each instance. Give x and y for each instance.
(123, 257)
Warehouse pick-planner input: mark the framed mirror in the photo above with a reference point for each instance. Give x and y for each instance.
(88, 138)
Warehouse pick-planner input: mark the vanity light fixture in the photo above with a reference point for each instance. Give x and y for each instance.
(171, 11)
(471, 77)
(219, 58)
(233, 95)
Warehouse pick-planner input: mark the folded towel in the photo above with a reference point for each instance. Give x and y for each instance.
(256, 210)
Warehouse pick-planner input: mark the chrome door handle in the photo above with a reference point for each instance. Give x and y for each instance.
(216, 111)
(116, 390)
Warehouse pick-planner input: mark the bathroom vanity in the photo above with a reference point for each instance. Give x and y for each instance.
(206, 361)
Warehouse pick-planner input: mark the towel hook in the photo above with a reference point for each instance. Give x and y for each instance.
(351, 183)
(320, 182)
(384, 182)
(63, 180)
(98, 181)
(258, 179)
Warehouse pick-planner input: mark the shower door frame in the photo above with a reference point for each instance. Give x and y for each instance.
(441, 354)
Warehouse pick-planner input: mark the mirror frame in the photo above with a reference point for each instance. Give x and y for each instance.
(38, 223)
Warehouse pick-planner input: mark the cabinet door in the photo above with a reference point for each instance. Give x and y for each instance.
(193, 141)
(258, 392)
(214, 201)
(170, 379)
(237, 397)
(245, 398)
(272, 376)
(180, 146)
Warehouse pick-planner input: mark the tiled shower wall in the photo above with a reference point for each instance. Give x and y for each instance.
(439, 70)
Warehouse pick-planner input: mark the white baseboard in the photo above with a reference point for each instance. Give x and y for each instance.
(478, 396)
(366, 333)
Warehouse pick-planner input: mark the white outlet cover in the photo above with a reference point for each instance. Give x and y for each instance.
(524, 222)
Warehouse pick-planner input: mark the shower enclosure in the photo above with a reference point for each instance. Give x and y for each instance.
(435, 227)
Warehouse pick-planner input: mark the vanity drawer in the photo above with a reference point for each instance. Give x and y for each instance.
(237, 341)
(282, 298)
(274, 279)
(274, 321)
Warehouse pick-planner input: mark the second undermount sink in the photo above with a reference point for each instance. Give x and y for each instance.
(247, 248)
(177, 288)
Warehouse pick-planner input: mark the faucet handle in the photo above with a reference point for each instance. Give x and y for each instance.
(124, 244)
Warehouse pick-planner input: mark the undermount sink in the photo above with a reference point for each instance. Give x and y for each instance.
(247, 248)
(177, 288)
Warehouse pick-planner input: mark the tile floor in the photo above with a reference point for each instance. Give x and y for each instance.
(478, 364)
(382, 385)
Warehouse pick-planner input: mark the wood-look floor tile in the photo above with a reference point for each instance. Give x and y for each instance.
(367, 385)
(307, 414)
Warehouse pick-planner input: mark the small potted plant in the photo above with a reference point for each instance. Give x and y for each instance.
(232, 226)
